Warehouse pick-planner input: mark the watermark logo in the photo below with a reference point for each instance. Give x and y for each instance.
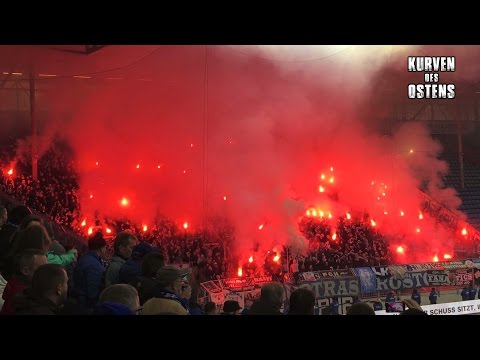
(431, 66)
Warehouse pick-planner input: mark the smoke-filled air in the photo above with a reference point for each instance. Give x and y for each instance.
(267, 138)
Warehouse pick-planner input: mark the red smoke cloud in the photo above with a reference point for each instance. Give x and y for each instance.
(264, 123)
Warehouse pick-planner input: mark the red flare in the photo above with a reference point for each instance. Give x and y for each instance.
(185, 225)
(400, 250)
(417, 230)
(145, 228)
(184, 171)
(191, 145)
(331, 168)
(124, 201)
(373, 223)
(250, 259)
(464, 231)
(260, 227)
(385, 212)
(91, 196)
(159, 166)
(108, 230)
(349, 216)
(334, 236)
(307, 212)
(96, 163)
(329, 215)
(420, 216)
(435, 258)
(447, 256)
(225, 198)
(321, 189)
(240, 272)
(331, 180)
(10, 172)
(84, 222)
(402, 213)
(90, 230)
(322, 176)
(276, 258)
(314, 212)
(138, 166)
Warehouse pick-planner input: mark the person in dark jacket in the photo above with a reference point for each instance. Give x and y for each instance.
(270, 302)
(88, 276)
(416, 296)
(26, 265)
(302, 302)
(146, 283)
(433, 296)
(132, 268)
(472, 292)
(47, 294)
(465, 294)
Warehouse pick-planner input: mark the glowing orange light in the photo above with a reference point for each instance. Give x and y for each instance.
(322, 214)
(145, 227)
(322, 177)
(276, 258)
(308, 212)
(383, 194)
(314, 212)
(447, 256)
(91, 196)
(464, 232)
(321, 189)
(373, 183)
(10, 172)
(138, 166)
(411, 151)
(417, 230)
(402, 213)
(159, 166)
(334, 236)
(84, 222)
(400, 250)
(108, 230)
(124, 201)
(90, 230)
(349, 216)
(378, 198)
(225, 198)
(250, 259)
(96, 163)
(385, 212)
(329, 215)
(240, 272)
(184, 171)
(420, 216)
(435, 258)
(373, 223)
(331, 169)
(185, 225)
(191, 145)
(261, 226)
(331, 180)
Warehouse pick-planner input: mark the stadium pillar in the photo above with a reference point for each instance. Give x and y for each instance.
(33, 126)
(460, 148)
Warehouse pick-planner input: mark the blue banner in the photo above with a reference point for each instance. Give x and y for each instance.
(368, 280)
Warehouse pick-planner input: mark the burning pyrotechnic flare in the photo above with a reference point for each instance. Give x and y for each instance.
(349, 216)
(447, 256)
(373, 223)
(464, 232)
(84, 222)
(124, 201)
(138, 166)
(276, 258)
(402, 213)
(108, 230)
(145, 228)
(322, 177)
(321, 189)
(420, 216)
(261, 226)
(225, 198)
(250, 259)
(331, 180)
(334, 236)
(90, 230)
(435, 258)
(240, 272)
(400, 250)
(10, 172)
(185, 225)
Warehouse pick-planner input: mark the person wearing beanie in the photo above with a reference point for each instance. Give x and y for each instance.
(89, 273)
